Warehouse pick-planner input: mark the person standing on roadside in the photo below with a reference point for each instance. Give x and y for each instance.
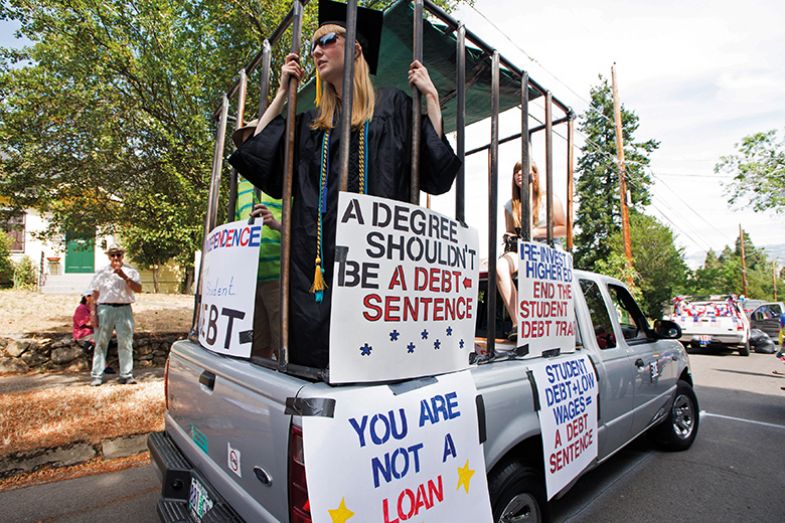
(113, 293)
(83, 330)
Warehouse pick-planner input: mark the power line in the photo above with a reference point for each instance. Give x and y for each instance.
(589, 143)
(686, 204)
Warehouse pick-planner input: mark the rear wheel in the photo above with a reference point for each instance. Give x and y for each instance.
(518, 495)
(744, 350)
(678, 430)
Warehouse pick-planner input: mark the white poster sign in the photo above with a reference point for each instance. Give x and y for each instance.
(546, 310)
(229, 288)
(567, 390)
(404, 291)
(389, 458)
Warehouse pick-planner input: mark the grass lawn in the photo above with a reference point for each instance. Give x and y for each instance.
(29, 312)
(57, 416)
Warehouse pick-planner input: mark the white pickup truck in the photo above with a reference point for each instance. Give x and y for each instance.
(238, 429)
(215, 403)
(713, 323)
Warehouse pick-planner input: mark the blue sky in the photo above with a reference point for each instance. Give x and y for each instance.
(699, 75)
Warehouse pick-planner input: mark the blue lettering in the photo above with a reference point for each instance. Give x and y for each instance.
(256, 235)
(425, 412)
(449, 447)
(452, 403)
(360, 429)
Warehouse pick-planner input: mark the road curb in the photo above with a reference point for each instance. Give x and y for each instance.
(72, 454)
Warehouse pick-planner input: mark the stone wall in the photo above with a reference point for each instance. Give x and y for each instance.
(19, 355)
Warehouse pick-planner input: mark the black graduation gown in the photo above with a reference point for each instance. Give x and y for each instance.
(261, 161)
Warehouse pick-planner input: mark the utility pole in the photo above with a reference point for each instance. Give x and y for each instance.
(625, 217)
(774, 277)
(743, 262)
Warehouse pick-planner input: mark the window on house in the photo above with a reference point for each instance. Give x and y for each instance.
(14, 228)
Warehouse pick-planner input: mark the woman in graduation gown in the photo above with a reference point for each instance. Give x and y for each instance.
(379, 162)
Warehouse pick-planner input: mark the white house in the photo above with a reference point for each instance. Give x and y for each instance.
(65, 264)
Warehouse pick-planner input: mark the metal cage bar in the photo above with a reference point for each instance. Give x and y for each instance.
(417, 29)
(460, 123)
(570, 181)
(286, 200)
(515, 136)
(526, 220)
(549, 166)
(348, 91)
(231, 206)
(493, 178)
(264, 89)
(212, 206)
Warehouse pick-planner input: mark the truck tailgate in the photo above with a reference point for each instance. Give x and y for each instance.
(228, 417)
(709, 326)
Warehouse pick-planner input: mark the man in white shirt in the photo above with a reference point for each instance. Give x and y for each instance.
(113, 293)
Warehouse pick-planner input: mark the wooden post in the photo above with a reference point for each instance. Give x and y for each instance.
(743, 262)
(774, 277)
(625, 217)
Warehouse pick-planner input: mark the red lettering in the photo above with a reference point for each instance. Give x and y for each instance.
(434, 283)
(406, 494)
(433, 490)
(438, 310)
(426, 302)
(420, 272)
(390, 307)
(398, 278)
(368, 301)
(244, 236)
(450, 306)
(410, 309)
(386, 512)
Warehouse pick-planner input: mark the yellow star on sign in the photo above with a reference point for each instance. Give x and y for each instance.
(464, 476)
(340, 514)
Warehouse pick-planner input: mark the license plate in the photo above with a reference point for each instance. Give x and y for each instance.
(199, 502)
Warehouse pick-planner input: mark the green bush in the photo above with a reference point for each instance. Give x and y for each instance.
(24, 274)
(6, 265)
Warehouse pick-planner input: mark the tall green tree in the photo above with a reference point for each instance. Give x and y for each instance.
(597, 188)
(758, 170)
(106, 118)
(659, 268)
(722, 274)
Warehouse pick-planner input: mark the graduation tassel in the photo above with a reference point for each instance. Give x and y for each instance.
(318, 99)
(318, 281)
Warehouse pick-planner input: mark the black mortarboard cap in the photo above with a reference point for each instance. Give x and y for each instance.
(369, 27)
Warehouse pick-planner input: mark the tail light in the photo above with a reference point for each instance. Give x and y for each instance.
(739, 326)
(166, 383)
(299, 505)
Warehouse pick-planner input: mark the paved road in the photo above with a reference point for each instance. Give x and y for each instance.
(735, 471)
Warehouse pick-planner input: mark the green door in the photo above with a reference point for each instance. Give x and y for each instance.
(79, 253)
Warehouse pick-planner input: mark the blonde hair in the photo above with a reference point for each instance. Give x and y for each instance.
(363, 95)
(516, 195)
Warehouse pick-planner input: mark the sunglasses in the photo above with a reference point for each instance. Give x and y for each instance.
(325, 41)
(116, 255)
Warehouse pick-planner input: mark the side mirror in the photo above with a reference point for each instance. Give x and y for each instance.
(667, 330)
